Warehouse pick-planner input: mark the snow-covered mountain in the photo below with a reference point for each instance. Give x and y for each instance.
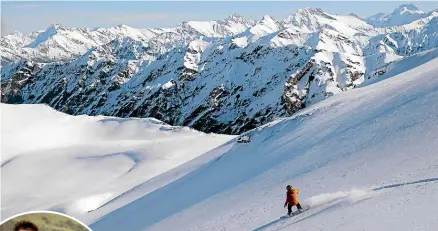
(404, 14)
(59, 43)
(224, 76)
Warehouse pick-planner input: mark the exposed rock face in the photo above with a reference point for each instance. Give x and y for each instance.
(225, 76)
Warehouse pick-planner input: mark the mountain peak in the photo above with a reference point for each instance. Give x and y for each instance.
(309, 10)
(16, 33)
(402, 15)
(235, 17)
(307, 17)
(268, 18)
(407, 8)
(55, 26)
(354, 15)
(123, 26)
(43, 36)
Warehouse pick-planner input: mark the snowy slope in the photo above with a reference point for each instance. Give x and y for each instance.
(398, 67)
(74, 164)
(364, 160)
(232, 25)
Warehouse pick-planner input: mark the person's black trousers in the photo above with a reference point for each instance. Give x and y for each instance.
(289, 208)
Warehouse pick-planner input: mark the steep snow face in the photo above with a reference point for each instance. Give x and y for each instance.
(399, 66)
(405, 42)
(75, 164)
(121, 49)
(230, 26)
(312, 20)
(266, 26)
(351, 156)
(404, 14)
(225, 76)
(373, 19)
(13, 42)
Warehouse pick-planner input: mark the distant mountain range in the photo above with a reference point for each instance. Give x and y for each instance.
(224, 76)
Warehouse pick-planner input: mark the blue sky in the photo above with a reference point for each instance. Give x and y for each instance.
(30, 16)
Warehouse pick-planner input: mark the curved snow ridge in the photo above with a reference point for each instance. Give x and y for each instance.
(44, 36)
(25, 123)
(155, 183)
(102, 157)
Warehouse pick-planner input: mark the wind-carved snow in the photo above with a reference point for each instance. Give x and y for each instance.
(75, 164)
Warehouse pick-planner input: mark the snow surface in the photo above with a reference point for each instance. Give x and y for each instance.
(400, 66)
(363, 160)
(74, 164)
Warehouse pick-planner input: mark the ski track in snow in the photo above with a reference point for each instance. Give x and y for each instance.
(405, 183)
(331, 201)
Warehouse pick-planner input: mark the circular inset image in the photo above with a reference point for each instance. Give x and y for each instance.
(42, 221)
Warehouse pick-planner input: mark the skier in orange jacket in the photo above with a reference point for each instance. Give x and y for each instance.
(292, 199)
